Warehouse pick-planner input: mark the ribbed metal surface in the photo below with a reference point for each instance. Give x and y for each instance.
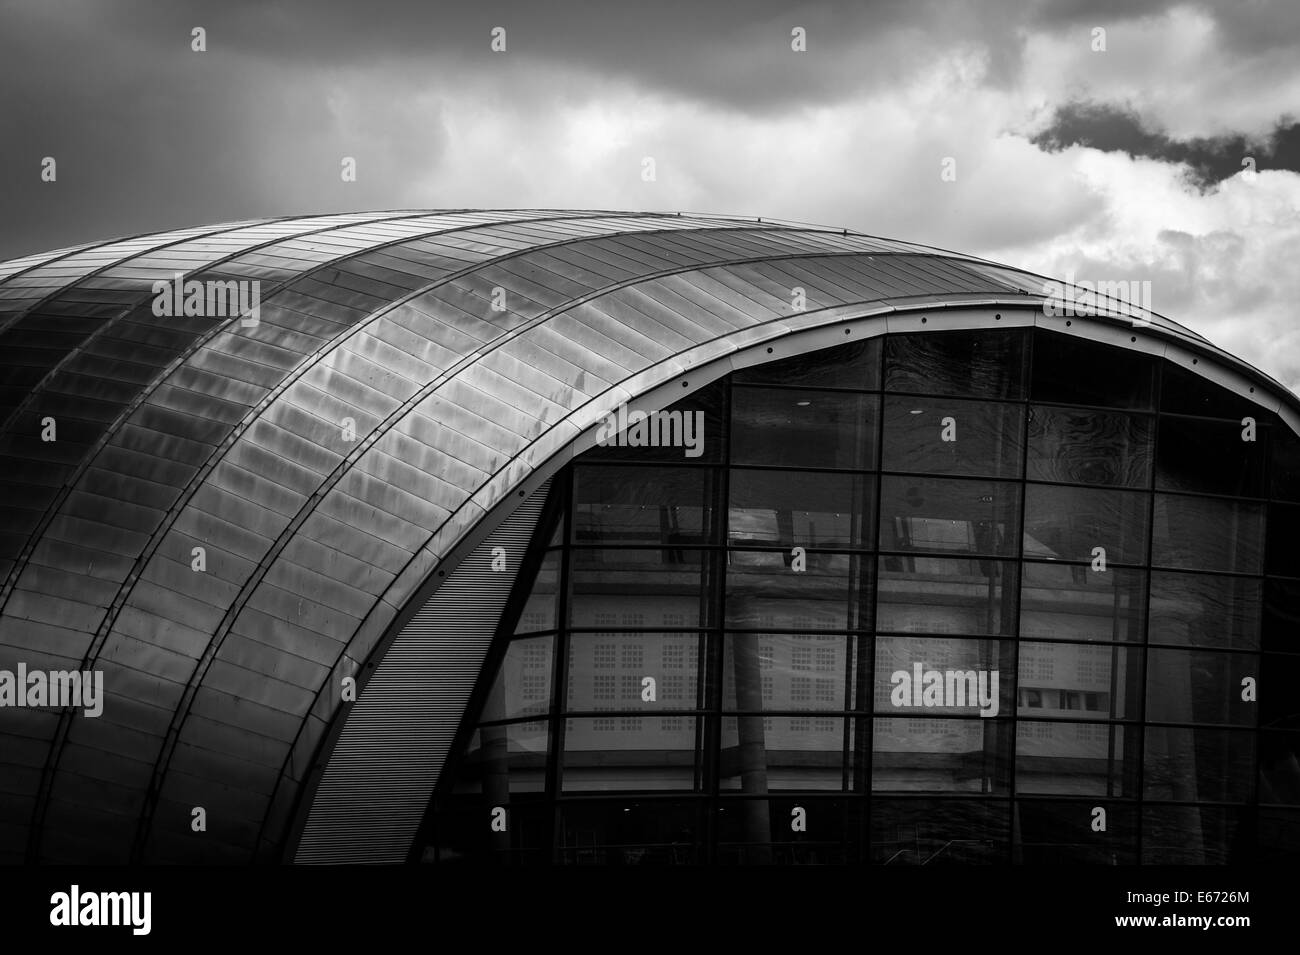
(396, 737)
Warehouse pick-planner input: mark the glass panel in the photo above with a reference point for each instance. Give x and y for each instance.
(940, 832)
(1079, 446)
(1076, 759)
(1283, 532)
(1067, 523)
(779, 671)
(506, 759)
(1207, 534)
(950, 436)
(607, 671)
(1061, 833)
(1075, 681)
(642, 505)
(856, 365)
(759, 831)
(1284, 480)
(1076, 371)
(1199, 687)
(944, 755)
(804, 508)
(1279, 768)
(762, 753)
(541, 609)
(977, 364)
(1192, 835)
(1198, 765)
(765, 592)
(1277, 837)
(1280, 675)
(1202, 610)
(628, 753)
(1075, 602)
(935, 676)
(638, 588)
(463, 833)
(1185, 392)
(1209, 457)
(953, 516)
(1281, 627)
(945, 595)
(803, 428)
(523, 683)
(631, 832)
(709, 430)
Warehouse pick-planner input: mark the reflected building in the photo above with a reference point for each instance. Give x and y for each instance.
(947, 578)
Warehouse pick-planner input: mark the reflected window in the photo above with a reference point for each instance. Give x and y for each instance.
(1076, 759)
(941, 755)
(638, 587)
(766, 590)
(504, 759)
(784, 672)
(608, 671)
(625, 504)
(937, 677)
(523, 683)
(799, 508)
(628, 753)
(1080, 681)
(945, 595)
(1075, 602)
(934, 515)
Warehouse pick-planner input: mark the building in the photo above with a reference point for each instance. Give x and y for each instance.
(596, 537)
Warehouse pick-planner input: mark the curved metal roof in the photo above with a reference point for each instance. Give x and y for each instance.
(408, 370)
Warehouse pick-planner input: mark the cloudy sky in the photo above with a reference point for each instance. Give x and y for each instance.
(1112, 139)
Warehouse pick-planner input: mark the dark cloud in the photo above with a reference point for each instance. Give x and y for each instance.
(1209, 160)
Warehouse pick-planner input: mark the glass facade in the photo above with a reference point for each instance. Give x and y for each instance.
(949, 597)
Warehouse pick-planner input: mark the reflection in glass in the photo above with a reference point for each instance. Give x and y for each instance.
(1209, 457)
(1062, 833)
(1197, 765)
(1079, 681)
(1279, 768)
(607, 671)
(759, 831)
(638, 587)
(1075, 602)
(856, 366)
(1076, 759)
(628, 753)
(1203, 610)
(523, 683)
(625, 504)
(505, 759)
(541, 609)
(941, 755)
(939, 831)
(1085, 446)
(766, 592)
(762, 753)
(1191, 835)
(1281, 625)
(1283, 532)
(934, 515)
(782, 671)
(803, 428)
(951, 436)
(1201, 533)
(978, 364)
(1076, 371)
(945, 595)
(1191, 686)
(937, 676)
(1068, 523)
(798, 508)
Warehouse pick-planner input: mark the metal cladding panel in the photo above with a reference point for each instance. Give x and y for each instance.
(408, 370)
(396, 736)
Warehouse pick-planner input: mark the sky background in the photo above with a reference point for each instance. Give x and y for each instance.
(1111, 165)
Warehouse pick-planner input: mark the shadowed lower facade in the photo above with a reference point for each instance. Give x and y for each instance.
(591, 537)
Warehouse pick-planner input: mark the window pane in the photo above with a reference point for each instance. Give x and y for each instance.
(631, 832)
(523, 683)
(940, 832)
(1066, 523)
(1076, 759)
(628, 753)
(642, 505)
(1061, 833)
(765, 592)
(927, 755)
(950, 436)
(1202, 610)
(705, 408)
(1207, 534)
(762, 753)
(803, 428)
(758, 831)
(1281, 628)
(1279, 768)
(945, 595)
(1192, 835)
(1198, 765)
(1076, 371)
(659, 587)
(1079, 446)
(949, 516)
(1279, 707)
(778, 671)
(1284, 481)
(936, 676)
(803, 508)
(607, 671)
(1199, 686)
(856, 365)
(978, 364)
(506, 759)
(541, 609)
(1186, 392)
(1074, 602)
(1283, 532)
(1209, 457)
(1074, 681)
